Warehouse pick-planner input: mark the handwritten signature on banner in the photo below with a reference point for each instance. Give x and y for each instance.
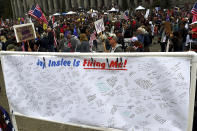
(88, 64)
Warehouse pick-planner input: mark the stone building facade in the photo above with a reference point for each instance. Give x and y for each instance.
(21, 7)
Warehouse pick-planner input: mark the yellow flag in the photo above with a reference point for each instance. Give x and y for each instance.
(45, 26)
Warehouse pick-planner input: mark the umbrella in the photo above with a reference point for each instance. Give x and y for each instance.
(92, 11)
(56, 14)
(71, 13)
(140, 8)
(113, 10)
(64, 13)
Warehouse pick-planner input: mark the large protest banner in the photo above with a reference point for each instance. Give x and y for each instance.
(99, 25)
(24, 32)
(128, 93)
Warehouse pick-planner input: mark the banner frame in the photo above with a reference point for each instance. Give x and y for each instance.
(191, 55)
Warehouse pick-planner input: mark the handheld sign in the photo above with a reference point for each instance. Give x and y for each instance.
(24, 32)
(99, 25)
(147, 14)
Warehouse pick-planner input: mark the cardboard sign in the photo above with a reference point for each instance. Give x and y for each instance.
(127, 93)
(147, 14)
(24, 32)
(99, 25)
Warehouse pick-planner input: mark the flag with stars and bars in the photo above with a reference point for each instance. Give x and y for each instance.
(194, 12)
(5, 121)
(37, 13)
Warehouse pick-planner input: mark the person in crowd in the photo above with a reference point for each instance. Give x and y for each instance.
(62, 44)
(115, 47)
(100, 43)
(50, 37)
(73, 42)
(135, 45)
(177, 42)
(84, 46)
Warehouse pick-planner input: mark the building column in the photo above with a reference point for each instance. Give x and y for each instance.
(151, 2)
(56, 8)
(61, 5)
(25, 6)
(129, 3)
(92, 3)
(73, 3)
(99, 2)
(136, 3)
(13, 9)
(120, 4)
(86, 4)
(79, 3)
(114, 3)
(44, 3)
(106, 3)
(19, 8)
(67, 2)
(143, 2)
(50, 3)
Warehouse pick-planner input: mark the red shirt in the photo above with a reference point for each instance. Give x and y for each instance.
(194, 36)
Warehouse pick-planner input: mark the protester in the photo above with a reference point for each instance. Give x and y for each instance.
(115, 47)
(84, 46)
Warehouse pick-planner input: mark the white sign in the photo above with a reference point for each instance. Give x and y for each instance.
(99, 25)
(147, 14)
(129, 93)
(24, 32)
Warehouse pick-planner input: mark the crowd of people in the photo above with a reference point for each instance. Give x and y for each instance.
(129, 31)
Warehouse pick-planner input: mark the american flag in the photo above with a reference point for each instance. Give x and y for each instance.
(37, 13)
(5, 121)
(194, 12)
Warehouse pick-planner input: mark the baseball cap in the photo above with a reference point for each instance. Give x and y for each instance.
(134, 39)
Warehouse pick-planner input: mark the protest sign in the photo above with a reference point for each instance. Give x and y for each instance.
(147, 14)
(99, 25)
(24, 32)
(128, 93)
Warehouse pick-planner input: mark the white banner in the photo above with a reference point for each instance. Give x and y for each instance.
(99, 25)
(129, 93)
